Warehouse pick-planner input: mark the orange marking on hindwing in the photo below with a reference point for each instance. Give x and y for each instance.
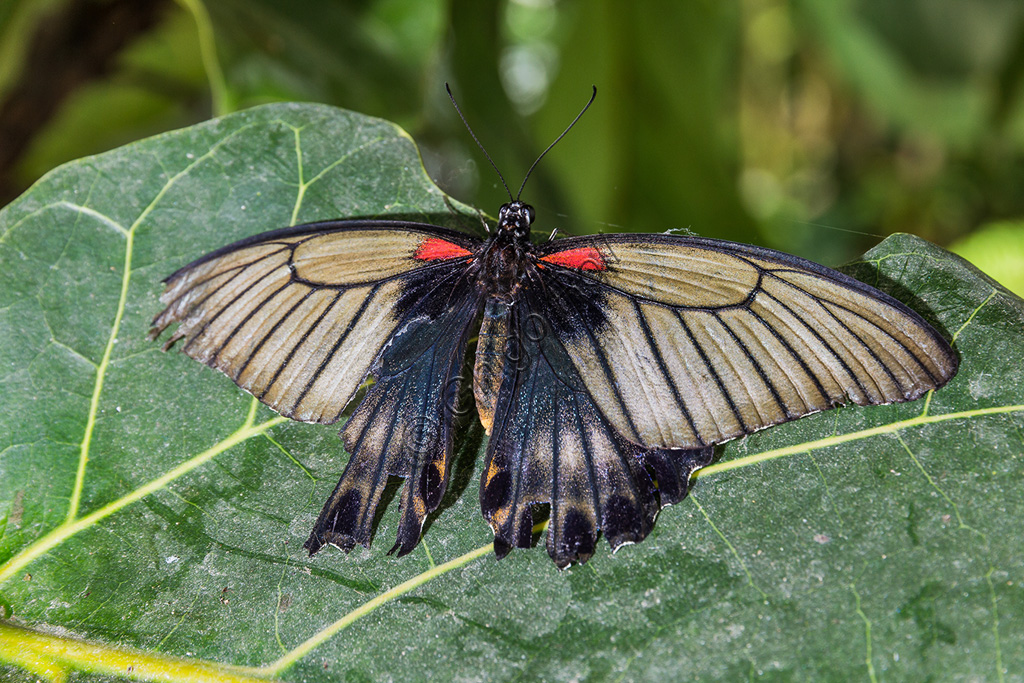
(581, 258)
(437, 249)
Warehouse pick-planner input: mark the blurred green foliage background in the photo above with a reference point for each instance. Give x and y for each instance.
(813, 126)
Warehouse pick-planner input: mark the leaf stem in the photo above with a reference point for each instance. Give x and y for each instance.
(51, 657)
(219, 96)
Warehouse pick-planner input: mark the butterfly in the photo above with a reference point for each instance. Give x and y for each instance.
(606, 367)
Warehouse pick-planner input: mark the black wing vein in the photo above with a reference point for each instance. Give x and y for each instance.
(825, 344)
(714, 374)
(315, 375)
(299, 341)
(656, 353)
(756, 365)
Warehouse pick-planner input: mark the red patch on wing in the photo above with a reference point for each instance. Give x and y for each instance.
(437, 249)
(582, 258)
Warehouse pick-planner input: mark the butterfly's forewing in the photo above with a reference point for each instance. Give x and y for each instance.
(296, 316)
(299, 317)
(687, 342)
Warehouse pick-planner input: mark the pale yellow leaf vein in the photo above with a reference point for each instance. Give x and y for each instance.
(974, 313)
(184, 615)
(101, 371)
(93, 213)
(303, 184)
(277, 612)
(838, 439)
(300, 170)
(931, 482)
(828, 490)
(69, 528)
(867, 634)
(426, 549)
(296, 462)
(732, 548)
(297, 653)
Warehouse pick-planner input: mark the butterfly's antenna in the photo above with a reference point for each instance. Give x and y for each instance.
(585, 108)
(477, 141)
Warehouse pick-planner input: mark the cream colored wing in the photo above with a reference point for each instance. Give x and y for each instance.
(687, 342)
(297, 317)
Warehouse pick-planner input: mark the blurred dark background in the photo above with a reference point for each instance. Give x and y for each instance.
(814, 126)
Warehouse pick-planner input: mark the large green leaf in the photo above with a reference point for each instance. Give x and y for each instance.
(153, 515)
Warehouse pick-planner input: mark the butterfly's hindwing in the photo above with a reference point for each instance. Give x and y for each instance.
(403, 425)
(551, 444)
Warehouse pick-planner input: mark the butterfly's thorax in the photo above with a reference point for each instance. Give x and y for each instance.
(507, 261)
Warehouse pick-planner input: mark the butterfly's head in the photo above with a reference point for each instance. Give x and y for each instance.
(516, 218)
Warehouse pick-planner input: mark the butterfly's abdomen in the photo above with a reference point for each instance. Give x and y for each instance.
(491, 356)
